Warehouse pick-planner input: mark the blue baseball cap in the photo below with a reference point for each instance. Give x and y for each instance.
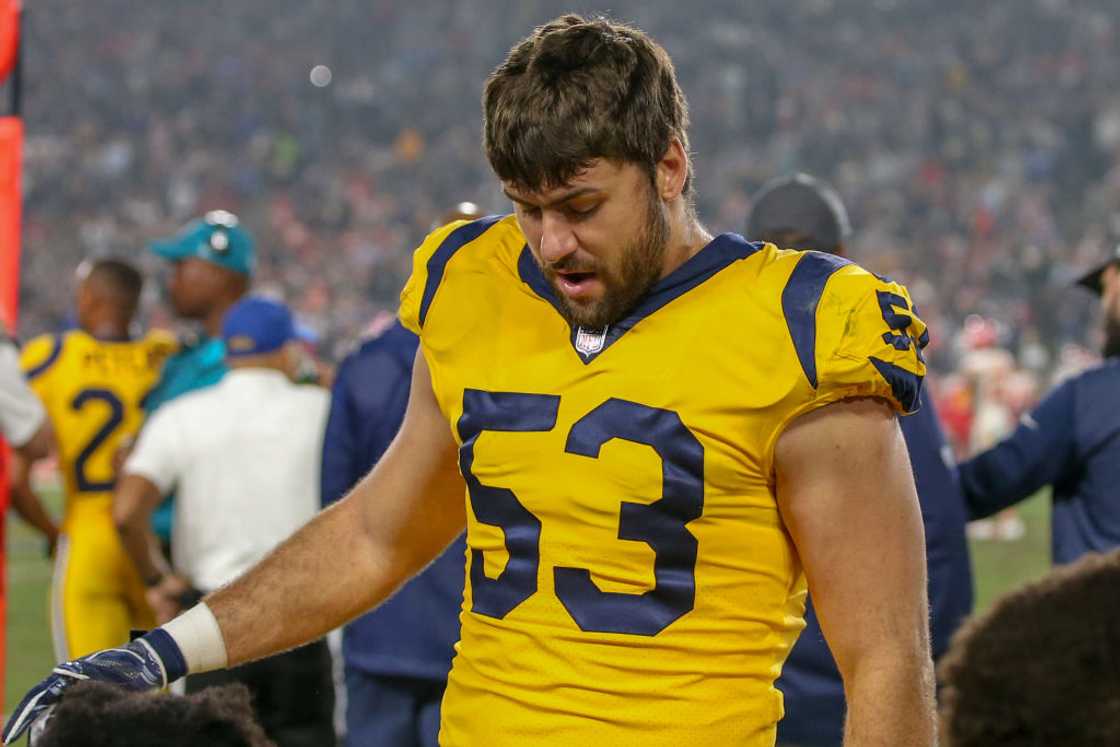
(215, 237)
(257, 325)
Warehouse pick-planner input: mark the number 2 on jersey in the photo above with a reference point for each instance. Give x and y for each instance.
(661, 524)
(115, 418)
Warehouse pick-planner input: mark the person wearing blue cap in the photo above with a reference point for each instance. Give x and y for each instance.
(212, 263)
(243, 458)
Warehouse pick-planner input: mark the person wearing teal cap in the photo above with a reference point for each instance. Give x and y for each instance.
(212, 262)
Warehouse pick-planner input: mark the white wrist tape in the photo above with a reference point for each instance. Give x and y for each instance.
(199, 638)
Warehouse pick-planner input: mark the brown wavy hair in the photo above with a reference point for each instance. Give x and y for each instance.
(97, 714)
(1042, 666)
(576, 90)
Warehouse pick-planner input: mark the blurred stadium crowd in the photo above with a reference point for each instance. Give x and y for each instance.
(981, 160)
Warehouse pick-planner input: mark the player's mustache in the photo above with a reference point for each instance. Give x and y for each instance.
(569, 264)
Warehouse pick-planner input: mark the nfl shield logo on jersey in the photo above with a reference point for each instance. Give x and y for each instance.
(590, 341)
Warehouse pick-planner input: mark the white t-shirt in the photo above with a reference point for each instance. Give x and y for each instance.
(21, 412)
(243, 458)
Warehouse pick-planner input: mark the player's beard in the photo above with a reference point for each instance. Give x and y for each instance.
(639, 269)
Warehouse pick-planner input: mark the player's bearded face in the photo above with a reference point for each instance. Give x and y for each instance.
(597, 281)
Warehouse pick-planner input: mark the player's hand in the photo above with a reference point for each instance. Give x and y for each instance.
(165, 597)
(147, 663)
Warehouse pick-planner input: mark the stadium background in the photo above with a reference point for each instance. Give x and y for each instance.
(977, 145)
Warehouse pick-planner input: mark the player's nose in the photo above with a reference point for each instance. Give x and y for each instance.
(558, 240)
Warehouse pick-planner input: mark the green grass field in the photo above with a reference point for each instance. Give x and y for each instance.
(999, 566)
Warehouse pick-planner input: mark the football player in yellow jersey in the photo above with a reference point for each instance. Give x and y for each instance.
(92, 381)
(665, 436)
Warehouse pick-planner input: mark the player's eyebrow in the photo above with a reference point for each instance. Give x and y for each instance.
(567, 196)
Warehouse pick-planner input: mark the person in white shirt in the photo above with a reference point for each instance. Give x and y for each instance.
(24, 425)
(243, 457)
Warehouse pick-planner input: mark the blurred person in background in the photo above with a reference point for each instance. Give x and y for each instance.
(396, 657)
(92, 381)
(1040, 667)
(212, 260)
(801, 212)
(97, 714)
(26, 428)
(1070, 441)
(243, 458)
(988, 368)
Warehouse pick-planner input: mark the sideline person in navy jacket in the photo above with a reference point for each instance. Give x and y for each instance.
(1071, 441)
(800, 212)
(397, 657)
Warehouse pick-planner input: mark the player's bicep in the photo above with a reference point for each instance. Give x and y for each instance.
(412, 503)
(847, 496)
(134, 500)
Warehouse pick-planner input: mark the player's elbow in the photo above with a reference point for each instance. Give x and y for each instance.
(38, 446)
(892, 685)
(124, 521)
(901, 663)
(133, 503)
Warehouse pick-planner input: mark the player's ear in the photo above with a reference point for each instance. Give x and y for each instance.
(672, 171)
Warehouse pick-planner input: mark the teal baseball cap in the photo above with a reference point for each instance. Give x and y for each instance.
(215, 237)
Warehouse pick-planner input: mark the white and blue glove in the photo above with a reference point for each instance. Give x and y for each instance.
(148, 663)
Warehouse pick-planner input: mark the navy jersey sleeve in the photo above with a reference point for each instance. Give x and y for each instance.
(368, 401)
(1036, 454)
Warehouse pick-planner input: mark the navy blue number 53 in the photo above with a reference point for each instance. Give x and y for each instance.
(660, 524)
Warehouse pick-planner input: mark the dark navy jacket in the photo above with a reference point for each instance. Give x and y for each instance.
(810, 681)
(1072, 442)
(411, 634)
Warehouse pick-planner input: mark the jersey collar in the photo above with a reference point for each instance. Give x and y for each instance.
(713, 257)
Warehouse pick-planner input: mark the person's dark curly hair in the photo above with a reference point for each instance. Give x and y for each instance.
(96, 714)
(1042, 667)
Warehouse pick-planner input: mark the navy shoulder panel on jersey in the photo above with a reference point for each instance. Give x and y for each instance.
(800, 299)
(57, 341)
(437, 263)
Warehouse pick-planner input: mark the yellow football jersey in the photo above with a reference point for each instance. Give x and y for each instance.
(93, 391)
(629, 578)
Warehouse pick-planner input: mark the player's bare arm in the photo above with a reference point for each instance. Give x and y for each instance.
(23, 497)
(847, 496)
(134, 501)
(39, 445)
(355, 553)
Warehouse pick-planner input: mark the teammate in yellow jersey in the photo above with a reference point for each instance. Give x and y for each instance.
(92, 381)
(663, 434)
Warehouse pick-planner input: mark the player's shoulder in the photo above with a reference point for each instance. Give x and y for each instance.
(41, 354)
(820, 276)
(455, 250)
(1104, 375)
(160, 342)
(197, 404)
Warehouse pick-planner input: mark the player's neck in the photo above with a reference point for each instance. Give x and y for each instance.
(686, 238)
(108, 329)
(212, 322)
